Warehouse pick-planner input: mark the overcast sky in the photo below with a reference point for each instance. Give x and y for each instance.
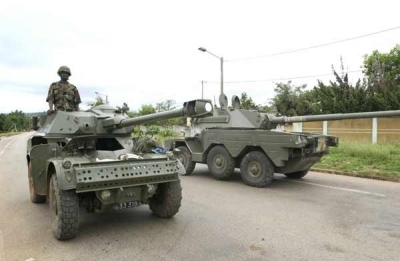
(143, 52)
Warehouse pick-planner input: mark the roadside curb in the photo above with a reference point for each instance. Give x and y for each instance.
(366, 176)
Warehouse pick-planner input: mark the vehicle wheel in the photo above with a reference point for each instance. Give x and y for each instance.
(186, 158)
(297, 175)
(35, 198)
(167, 200)
(220, 163)
(256, 169)
(64, 209)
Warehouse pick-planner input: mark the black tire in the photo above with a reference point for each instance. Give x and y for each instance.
(256, 169)
(220, 163)
(167, 200)
(297, 175)
(64, 209)
(186, 158)
(35, 198)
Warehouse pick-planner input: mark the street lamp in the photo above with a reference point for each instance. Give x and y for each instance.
(202, 89)
(100, 94)
(222, 66)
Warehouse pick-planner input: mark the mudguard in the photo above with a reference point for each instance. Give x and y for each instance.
(39, 156)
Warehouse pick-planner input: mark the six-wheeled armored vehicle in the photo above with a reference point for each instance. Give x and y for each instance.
(236, 138)
(85, 158)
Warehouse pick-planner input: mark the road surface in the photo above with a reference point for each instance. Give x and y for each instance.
(322, 217)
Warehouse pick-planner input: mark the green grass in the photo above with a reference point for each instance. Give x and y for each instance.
(368, 160)
(8, 134)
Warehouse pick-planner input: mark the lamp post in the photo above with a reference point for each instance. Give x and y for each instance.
(202, 89)
(222, 66)
(100, 94)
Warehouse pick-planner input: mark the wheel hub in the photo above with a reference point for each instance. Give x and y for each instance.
(254, 169)
(219, 161)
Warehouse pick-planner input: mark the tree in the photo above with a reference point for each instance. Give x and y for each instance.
(292, 100)
(383, 68)
(166, 105)
(247, 102)
(2, 122)
(97, 102)
(383, 78)
(15, 120)
(146, 109)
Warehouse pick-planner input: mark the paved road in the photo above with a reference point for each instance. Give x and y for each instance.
(322, 217)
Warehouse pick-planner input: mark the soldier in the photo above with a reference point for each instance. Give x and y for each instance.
(62, 95)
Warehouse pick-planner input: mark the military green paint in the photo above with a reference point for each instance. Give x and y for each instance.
(241, 131)
(77, 146)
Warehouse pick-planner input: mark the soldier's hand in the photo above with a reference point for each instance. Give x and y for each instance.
(50, 112)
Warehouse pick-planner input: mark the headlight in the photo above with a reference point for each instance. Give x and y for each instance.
(105, 194)
(67, 164)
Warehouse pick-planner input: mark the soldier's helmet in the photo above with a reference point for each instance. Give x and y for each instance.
(64, 69)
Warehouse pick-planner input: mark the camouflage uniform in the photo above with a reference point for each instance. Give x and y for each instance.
(64, 96)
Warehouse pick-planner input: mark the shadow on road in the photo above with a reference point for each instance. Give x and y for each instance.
(279, 181)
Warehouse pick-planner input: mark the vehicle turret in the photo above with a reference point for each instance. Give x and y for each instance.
(105, 119)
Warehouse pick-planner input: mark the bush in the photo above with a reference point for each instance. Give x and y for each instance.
(167, 133)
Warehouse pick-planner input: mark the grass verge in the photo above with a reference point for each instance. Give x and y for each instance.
(8, 134)
(365, 160)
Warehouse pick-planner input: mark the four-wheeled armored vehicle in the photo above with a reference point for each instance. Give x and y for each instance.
(236, 138)
(86, 159)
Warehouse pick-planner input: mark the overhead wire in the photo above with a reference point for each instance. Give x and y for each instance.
(312, 47)
(283, 79)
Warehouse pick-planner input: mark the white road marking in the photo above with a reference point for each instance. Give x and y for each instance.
(338, 188)
(8, 144)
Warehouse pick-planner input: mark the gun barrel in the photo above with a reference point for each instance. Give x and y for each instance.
(193, 109)
(332, 117)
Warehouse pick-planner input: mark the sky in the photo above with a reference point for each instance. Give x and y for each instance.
(144, 52)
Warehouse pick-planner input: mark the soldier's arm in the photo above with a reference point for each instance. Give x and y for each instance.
(50, 97)
(77, 99)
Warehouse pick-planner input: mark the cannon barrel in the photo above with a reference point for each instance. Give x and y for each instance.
(193, 109)
(332, 117)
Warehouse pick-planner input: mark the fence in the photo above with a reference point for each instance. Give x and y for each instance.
(375, 130)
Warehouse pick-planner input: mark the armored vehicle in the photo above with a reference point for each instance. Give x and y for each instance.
(85, 159)
(235, 138)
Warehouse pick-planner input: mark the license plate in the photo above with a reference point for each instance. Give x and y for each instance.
(130, 204)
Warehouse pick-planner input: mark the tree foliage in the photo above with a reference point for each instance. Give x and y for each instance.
(293, 100)
(146, 109)
(97, 102)
(383, 68)
(378, 91)
(247, 102)
(15, 120)
(166, 105)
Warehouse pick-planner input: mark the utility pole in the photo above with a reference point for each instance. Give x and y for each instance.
(221, 59)
(202, 89)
